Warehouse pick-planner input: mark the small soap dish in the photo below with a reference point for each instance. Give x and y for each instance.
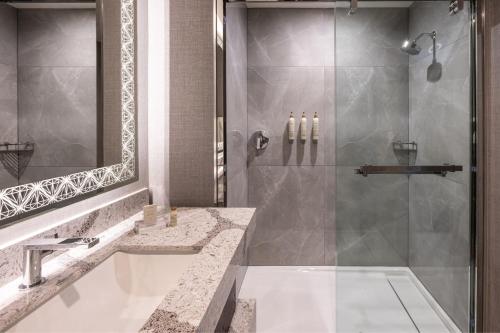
(405, 146)
(406, 152)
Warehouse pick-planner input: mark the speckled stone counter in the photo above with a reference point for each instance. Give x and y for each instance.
(245, 317)
(220, 236)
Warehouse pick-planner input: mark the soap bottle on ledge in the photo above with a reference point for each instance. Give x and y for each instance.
(173, 217)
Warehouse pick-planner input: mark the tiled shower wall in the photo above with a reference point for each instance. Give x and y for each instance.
(372, 113)
(440, 123)
(57, 90)
(290, 69)
(236, 105)
(8, 84)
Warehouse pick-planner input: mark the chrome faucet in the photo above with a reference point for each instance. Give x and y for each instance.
(35, 250)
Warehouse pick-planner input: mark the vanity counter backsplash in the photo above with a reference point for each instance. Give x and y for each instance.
(217, 237)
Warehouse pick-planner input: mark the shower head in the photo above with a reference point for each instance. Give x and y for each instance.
(412, 48)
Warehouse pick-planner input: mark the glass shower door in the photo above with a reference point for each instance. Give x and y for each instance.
(403, 142)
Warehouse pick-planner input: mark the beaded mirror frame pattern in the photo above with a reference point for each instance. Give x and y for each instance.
(22, 199)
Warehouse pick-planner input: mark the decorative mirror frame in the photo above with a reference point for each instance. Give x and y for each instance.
(20, 200)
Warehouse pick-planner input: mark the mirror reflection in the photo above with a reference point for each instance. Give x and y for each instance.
(57, 115)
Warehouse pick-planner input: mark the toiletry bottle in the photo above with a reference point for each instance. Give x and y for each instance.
(291, 127)
(150, 213)
(315, 130)
(173, 216)
(303, 127)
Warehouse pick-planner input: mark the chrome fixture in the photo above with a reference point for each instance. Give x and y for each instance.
(412, 48)
(455, 6)
(353, 7)
(404, 146)
(261, 141)
(36, 249)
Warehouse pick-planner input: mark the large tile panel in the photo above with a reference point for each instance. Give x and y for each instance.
(37, 173)
(330, 217)
(57, 37)
(8, 103)
(372, 113)
(8, 85)
(371, 219)
(272, 94)
(236, 106)
(57, 111)
(440, 242)
(290, 214)
(328, 127)
(440, 111)
(8, 35)
(372, 37)
(291, 37)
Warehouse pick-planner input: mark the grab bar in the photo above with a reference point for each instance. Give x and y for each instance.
(442, 170)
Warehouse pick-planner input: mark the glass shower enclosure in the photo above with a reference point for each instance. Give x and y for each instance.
(384, 198)
(403, 152)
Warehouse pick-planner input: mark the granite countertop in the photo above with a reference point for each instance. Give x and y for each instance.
(214, 233)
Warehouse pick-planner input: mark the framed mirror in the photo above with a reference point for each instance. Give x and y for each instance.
(67, 102)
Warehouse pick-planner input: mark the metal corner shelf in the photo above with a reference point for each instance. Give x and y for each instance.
(441, 170)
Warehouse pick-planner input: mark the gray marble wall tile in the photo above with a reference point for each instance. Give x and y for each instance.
(328, 125)
(440, 123)
(371, 219)
(6, 179)
(290, 215)
(88, 225)
(291, 69)
(291, 37)
(372, 112)
(8, 103)
(236, 105)
(274, 92)
(330, 216)
(57, 37)
(57, 111)
(8, 35)
(371, 226)
(37, 173)
(426, 16)
(372, 37)
(439, 240)
(440, 111)
(8, 84)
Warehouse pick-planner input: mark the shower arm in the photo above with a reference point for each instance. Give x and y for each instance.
(432, 35)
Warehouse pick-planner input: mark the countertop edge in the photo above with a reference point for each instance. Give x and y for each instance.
(23, 303)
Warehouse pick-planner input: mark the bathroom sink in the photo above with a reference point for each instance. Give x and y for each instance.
(119, 295)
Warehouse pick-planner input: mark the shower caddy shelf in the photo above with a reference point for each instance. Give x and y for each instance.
(441, 170)
(15, 157)
(7, 147)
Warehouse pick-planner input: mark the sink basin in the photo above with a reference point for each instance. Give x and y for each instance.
(119, 295)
